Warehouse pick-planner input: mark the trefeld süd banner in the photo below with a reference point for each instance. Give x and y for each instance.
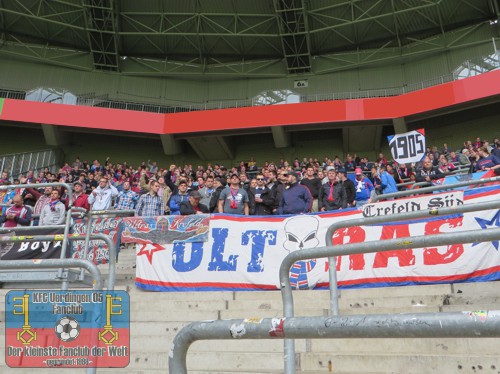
(245, 253)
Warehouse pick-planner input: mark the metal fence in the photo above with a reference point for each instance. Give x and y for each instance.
(17, 164)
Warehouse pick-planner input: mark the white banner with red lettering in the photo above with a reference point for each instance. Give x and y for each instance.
(245, 253)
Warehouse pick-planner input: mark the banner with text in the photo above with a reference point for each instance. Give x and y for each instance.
(245, 253)
(98, 250)
(166, 229)
(414, 204)
(408, 147)
(20, 250)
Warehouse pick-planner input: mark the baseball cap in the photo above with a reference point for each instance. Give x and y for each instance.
(341, 171)
(293, 173)
(235, 174)
(195, 194)
(358, 171)
(77, 183)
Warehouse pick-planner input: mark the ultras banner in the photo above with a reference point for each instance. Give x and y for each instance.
(166, 229)
(245, 253)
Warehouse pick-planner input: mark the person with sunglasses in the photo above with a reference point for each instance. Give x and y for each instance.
(263, 196)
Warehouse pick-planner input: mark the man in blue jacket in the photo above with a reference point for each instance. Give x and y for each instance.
(296, 198)
(388, 184)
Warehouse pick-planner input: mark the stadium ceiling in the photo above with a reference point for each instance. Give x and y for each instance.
(237, 38)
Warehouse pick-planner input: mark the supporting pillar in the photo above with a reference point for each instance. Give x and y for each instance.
(400, 126)
(212, 147)
(281, 138)
(54, 136)
(171, 146)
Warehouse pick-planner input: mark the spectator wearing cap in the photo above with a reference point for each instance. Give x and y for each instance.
(80, 198)
(313, 184)
(350, 190)
(297, 199)
(178, 198)
(193, 205)
(332, 194)
(363, 187)
(234, 200)
(150, 204)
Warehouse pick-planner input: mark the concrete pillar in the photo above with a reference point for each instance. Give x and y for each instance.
(400, 126)
(171, 146)
(54, 136)
(281, 138)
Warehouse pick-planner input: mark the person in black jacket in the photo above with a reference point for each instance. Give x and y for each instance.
(263, 196)
(219, 184)
(350, 189)
(278, 187)
(332, 195)
(193, 206)
(428, 172)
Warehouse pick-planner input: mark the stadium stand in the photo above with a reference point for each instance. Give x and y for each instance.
(212, 95)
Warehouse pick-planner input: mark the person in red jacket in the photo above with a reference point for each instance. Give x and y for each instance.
(80, 198)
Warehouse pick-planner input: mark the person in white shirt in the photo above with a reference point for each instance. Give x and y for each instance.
(102, 197)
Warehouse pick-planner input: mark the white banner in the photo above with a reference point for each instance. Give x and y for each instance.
(408, 147)
(414, 204)
(245, 253)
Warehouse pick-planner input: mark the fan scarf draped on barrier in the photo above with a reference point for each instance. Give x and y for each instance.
(244, 253)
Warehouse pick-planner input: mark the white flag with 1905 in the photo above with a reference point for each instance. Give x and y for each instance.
(408, 147)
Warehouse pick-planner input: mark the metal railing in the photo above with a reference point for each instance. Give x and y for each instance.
(359, 326)
(444, 187)
(17, 164)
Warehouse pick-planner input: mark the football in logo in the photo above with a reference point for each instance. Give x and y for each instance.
(67, 329)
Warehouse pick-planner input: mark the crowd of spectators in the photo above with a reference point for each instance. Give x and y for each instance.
(283, 187)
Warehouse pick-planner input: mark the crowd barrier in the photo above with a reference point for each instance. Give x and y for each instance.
(361, 326)
(290, 327)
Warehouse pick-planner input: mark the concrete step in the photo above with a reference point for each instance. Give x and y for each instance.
(408, 364)
(356, 303)
(445, 346)
(212, 361)
(476, 289)
(299, 312)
